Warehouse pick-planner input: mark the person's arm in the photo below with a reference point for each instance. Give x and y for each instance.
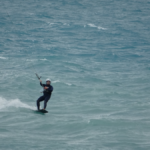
(41, 83)
(49, 89)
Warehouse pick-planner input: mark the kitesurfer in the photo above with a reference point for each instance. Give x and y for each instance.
(46, 93)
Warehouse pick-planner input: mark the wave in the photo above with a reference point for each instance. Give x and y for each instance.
(67, 24)
(34, 60)
(31, 59)
(2, 57)
(94, 26)
(57, 81)
(44, 59)
(13, 103)
(51, 23)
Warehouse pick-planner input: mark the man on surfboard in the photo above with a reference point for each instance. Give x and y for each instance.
(46, 93)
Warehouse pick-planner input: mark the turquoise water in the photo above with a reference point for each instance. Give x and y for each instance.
(97, 54)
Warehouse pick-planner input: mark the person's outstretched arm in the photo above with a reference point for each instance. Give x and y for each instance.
(41, 83)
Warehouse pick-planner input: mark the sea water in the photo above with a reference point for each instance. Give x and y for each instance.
(97, 55)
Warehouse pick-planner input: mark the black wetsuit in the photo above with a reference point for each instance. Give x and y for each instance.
(46, 95)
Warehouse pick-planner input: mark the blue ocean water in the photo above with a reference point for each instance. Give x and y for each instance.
(97, 54)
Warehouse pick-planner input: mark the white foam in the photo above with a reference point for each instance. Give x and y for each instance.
(44, 59)
(66, 24)
(101, 28)
(62, 82)
(13, 103)
(31, 60)
(94, 26)
(51, 24)
(56, 81)
(2, 57)
(69, 84)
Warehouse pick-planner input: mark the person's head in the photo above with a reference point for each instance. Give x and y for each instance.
(48, 81)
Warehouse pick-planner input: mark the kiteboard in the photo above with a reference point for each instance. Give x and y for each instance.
(42, 111)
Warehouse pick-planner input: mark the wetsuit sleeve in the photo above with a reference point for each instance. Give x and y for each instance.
(50, 89)
(42, 84)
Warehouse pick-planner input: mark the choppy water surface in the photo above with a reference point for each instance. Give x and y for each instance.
(97, 56)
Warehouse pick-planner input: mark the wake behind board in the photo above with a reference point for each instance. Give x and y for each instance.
(42, 111)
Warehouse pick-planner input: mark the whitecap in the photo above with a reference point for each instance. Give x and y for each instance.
(56, 81)
(66, 24)
(13, 103)
(69, 84)
(44, 59)
(30, 59)
(101, 28)
(94, 26)
(51, 23)
(3, 57)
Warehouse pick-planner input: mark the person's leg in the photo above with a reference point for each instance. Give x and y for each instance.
(39, 100)
(45, 101)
